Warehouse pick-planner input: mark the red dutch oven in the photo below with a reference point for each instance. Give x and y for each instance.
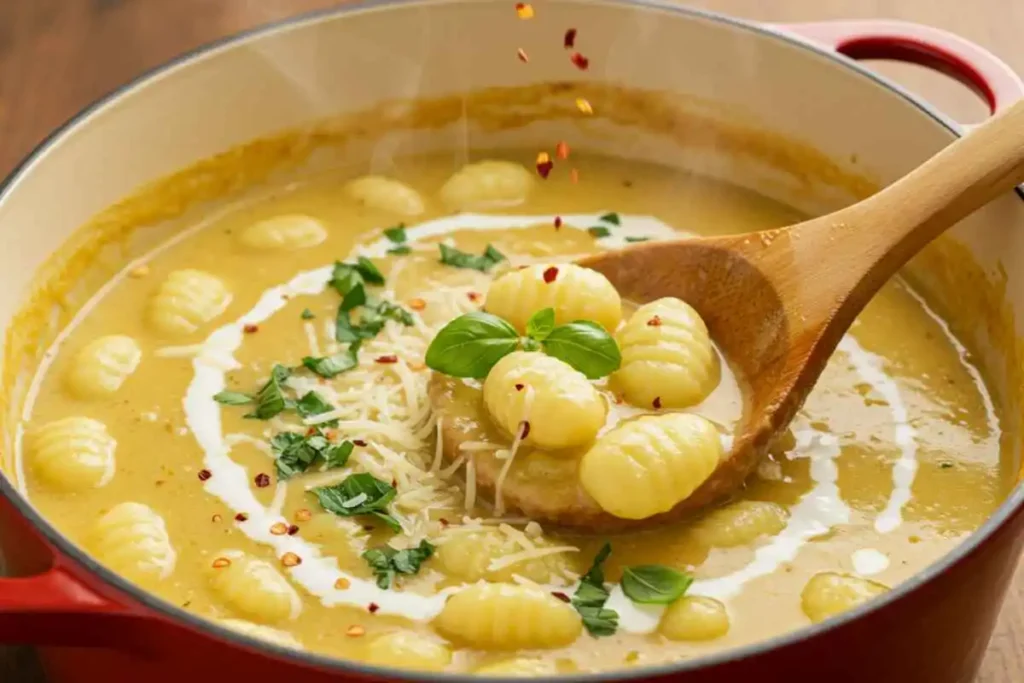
(799, 81)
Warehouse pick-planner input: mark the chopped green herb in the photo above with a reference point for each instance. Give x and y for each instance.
(331, 366)
(345, 278)
(638, 239)
(400, 250)
(611, 218)
(232, 398)
(369, 271)
(312, 404)
(392, 311)
(591, 596)
(450, 256)
(396, 233)
(359, 494)
(540, 324)
(654, 584)
(470, 345)
(387, 562)
(530, 344)
(270, 400)
(599, 231)
(297, 452)
(354, 298)
(307, 314)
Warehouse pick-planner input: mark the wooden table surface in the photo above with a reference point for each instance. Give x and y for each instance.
(56, 56)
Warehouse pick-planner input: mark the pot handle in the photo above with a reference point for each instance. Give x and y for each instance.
(974, 66)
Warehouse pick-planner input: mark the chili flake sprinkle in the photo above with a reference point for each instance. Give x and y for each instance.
(221, 562)
(520, 387)
(544, 165)
(473, 296)
(550, 274)
(417, 304)
(570, 39)
(561, 596)
(656, 403)
(355, 631)
(584, 106)
(359, 442)
(279, 528)
(262, 480)
(524, 428)
(562, 150)
(655, 321)
(521, 53)
(291, 560)
(373, 607)
(385, 360)
(293, 529)
(524, 10)
(204, 475)
(558, 222)
(241, 517)
(579, 61)
(303, 515)
(342, 584)
(251, 329)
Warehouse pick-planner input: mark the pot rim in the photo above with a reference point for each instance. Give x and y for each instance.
(1013, 503)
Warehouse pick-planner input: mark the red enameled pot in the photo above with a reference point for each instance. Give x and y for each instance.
(799, 81)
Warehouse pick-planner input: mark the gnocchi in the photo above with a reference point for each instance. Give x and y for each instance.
(132, 540)
(694, 618)
(102, 366)
(487, 185)
(501, 616)
(253, 588)
(575, 293)
(668, 360)
(740, 523)
(407, 650)
(544, 398)
(271, 635)
(284, 233)
(469, 557)
(829, 593)
(650, 464)
(186, 301)
(73, 453)
(385, 194)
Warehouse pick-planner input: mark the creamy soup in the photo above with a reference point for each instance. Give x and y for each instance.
(244, 423)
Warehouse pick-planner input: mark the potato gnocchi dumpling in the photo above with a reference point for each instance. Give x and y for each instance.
(740, 523)
(502, 616)
(648, 465)
(561, 407)
(283, 233)
(468, 557)
(73, 453)
(407, 650)
(385, 194)
(102, 366)
(519, 667)
(132, 540)
(694, 618)
(829, 593)
(575, 293)
(487, 185)
(668, 360)
(271, 635)
(186, 301)
(253, 588)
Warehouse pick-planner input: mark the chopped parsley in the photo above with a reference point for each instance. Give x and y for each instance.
(611, 218)
(359, 494)
(312, 404)
(599, 231)
(270, 399)
(450, 256)
(396, 234)
(307, 314)
(371, 321)
(387, 563)
(297, 452)
(591, 596)
(331, 366)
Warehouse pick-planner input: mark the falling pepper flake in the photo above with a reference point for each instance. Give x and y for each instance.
(251, 329)
(656, 403)
(291, 560)
(359, 442)
(544, 164)
(417, 304)
(262, 480)
(655, 321)
(579, 61)
(562, 150)
(279, 528)
(386, 360)
(561, 596)
(241, 517)
(303, 515)
(373, 607)
(521, 53)
(519, 387)
(221, 562)
(524, 429)
(355, 631)
(342, 584)
(524, 10)
(204, 475)
(584, 106)
(570, 39)
(550, 274)
(558, 222)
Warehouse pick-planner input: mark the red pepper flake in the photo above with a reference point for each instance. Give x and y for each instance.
(303, 515)
(359, 442)
(519, 387)
(310, 431)
(574, 175)
(570, 39)
(293, 529)
(544, 165)
(386, 360)
(279, 528)
(444, 522)
(579, 61)
(654, 321)
(373, 607)
(550, 274)
(251, 329)
(291, 560)
(656, 403)
(521, 53)
(524, 429)
(584, 106)
(221, 562)
(417, 304)
(241, 517)
(204, 475)
(558, 222)
(561, 596)
(262, 480)
(562, 150)
(342, 583)
(524, 10)
(473, 296)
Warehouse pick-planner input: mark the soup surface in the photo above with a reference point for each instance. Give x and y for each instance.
(247, 430)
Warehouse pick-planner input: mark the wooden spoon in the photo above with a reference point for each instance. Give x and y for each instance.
(777, 303)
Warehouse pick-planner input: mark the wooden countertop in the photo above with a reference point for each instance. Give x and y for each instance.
(56, 56)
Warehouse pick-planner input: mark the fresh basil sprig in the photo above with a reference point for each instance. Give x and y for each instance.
(591, 595)
(586, 346)
(653, 584)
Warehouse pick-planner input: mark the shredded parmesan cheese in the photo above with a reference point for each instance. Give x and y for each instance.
(499, 501)
(500, 563)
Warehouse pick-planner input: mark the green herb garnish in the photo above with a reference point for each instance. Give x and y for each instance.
(232, 398)
(599, 231)
(297, 452)
(400, 250)
(450, 256)
(359, 494)
(654, 584)
(387, 562)
(638, 239)
(371, 274)
(307, 314)
(396, 233)
(331, 366)
(312, 404)
(540, 324)
(270, 400)
(590, 597)
(610, 218)
(586, 346)
(470, 345)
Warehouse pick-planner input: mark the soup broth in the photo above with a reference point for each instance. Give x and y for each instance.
(893, 460)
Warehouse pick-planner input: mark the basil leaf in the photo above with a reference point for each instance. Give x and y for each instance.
(599, 621)
(307, 314)
(540, 324)
(611, 218)
(470, 345)
(595, 575)
(345, 278)
(390, 521)
(396, 233)
(297, 452)
(232, 398)
(530, 344)
(591, 595)
(585, 346)
(599, 231)
(338, 498)
(270, 400)
(638, 239)
(312, 404)
(400, 250)
(336, 455)
(450, 256)
(369, 271)
(331, 366)
(653, 584)
(387, 562)
(355, 297)
(392, 311)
